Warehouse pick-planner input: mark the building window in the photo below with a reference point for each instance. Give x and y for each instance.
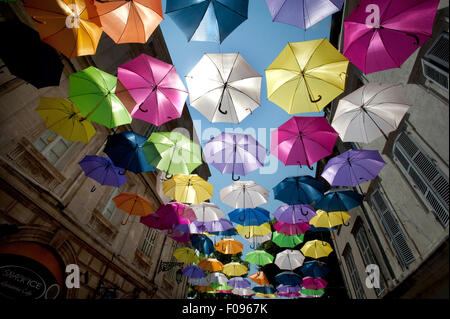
(353, 272)
(52, 146)
(111, 212)
(429, 181)
(435, 63)
(149, 242)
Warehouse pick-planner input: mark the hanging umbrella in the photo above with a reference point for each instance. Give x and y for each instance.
(128, 21)
(202, 282)
(289, 259)
(206, 289)
(190, 189)
(64, 118)
(224, 87)
(41, 69)
(70, 26)
(264, 292)
(207, 212)
(102, 170)
(260, 278)
(293, 214)
(259, 257)
(328, 220)
(193, 272)
(299, 190)
(306, 76)
(222, 288)
(242, 194)
(258, 239)
(353, 168)
(315, 269)
(250, 231)
(211, 264)
(167, 217)
(202, 243)
(217, 278)
(133, 204)
(156, 88)
(220, 225)
(312, 292)
(250, 216)
(239, 282)
(244, 292)
(287, 241)
(126, 150)
(288, 278)
(206, 20)
(303, 141)
(289, 288)
(177, 236)
(234, 269)
(371, 111)
(381, 35)
(93, 92)
(229, 246)
(322, 229)
(316, 249)
(186, 255)
(291, 229)
(233, 153)
(227, 233)
(302, 13)
(339, 201)
(314, 283)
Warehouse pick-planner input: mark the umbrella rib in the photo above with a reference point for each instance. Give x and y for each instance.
(232, 10)
(183, 8)
(220, 74)
(218, 88)
(294, 79)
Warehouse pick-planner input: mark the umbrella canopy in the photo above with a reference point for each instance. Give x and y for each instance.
(102, 170)
(306, 76)
(193, 272)
(339, 201)
(190, 189)
(264, 292)
(303, 14)
(242, 194)
(126, 150)
(289, 289)
(381, 35)
(41, 69)
(316, 249)
(156, 88)
(234, 269)
(303, 141)
(129, 21)
(211, 264)
(229, 246)
(291, 229)
(167, 217)
(224, 87)
(329, 220)
(312, 292)
(258, 239)
(234, 153)
(179, 155)
(220, 225)
(288, 278)
(260, 278)
(244, 292)
(315, 269)
(287, 241)
(353, 167)
(63, 117)
(259, 257)
(207, 212)
(93, 92)
(299, 190)
(250, 216)
(222, 288)
(289, 259)
(72, 27)
(133, 204)
(314, 283)
(203, 243)
(239, 282)
(251, 231)
(202, 282)
(217, 278)
(293, 214)
(206, 20)
(186, 255)
(228, 232)
(373, 110)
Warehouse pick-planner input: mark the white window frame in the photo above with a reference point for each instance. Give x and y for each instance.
(148, 243)
(111, 217)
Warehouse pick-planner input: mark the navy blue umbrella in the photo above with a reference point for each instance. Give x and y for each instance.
(226, 233)
(202, 243)
(320, 229)
(264, 290)
(339, 201)
(288, 278)
(314, 269)
(250, 216)
(299, 190)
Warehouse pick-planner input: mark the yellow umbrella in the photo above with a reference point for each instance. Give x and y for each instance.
(189, 189)
(250, 231)
(234, 269)
(316, 249)
(211, 264)
(306, 76)
(257, 294)
(186, 255)
(329, 220)
(229, 246)
(63, 117)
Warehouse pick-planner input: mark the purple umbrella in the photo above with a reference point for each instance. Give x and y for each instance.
(294, 214)
(289, 289)
(239, 282)
(102, 170)
(233, 153)
(194, 272)
(218, 225)
(302, 13)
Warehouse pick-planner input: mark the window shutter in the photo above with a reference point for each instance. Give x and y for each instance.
(439, 51)
(435, 74)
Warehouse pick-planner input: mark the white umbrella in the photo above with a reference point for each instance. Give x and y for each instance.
(217, 278)
(198, 281)
(289, 259)
(244, 194)
(224, 87)
(207, 212)
(373, 110)
(243, 292)
(258, 239)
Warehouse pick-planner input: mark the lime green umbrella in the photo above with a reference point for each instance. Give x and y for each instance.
(151, 154)
(218, 286)
(287, 241)
(179, 155)
(93, 92)
(312, 292)
(259, 257)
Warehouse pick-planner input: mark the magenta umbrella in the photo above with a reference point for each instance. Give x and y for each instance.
(291, 229)
(314, 283)
(156, 88)
(167, 217)
(382, 34)
(303, 141)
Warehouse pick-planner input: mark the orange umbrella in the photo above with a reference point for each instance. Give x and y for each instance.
(260, 278)
(133, 204)
(229, 246)
(129, 21)
(70, 26)
(211, 264)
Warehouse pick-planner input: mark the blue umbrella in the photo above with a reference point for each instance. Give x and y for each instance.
(314, 269)
(339, 201)
(102, 170)
(207, 20)
(202, 243)
(227, 233)
(320, 229)
(299, 190)
(264, 290)
(250, 216)
(288, 278)
(194, 272)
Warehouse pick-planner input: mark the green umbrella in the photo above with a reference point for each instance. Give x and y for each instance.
(259, 257)
(93, 92)
(287, 241)
(151, 154)
(218, 286)
(179, 155)
(312, 292)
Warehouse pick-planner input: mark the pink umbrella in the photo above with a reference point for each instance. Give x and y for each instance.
(156, 88)
(303, 141)
(291, 229)
(166, 217)
(382, 34)
(314, 283)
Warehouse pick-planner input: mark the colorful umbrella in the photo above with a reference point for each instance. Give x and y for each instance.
(258, 239)
(306, 76)
(244, 292)
(251, 231)
(229, 246)
(93, 92)
(264, 292)
(250, 216)
(371, 111)
(289, 288)
(260, 278)
(199, 282)
(167, 217)
(102, 170)
(299, 190)
(312, 292)
(288, 278)
(190, 189)
(315, 269)
(129, 21)
(353, 168)
(293, 214)
(234, 153)
(202, 243)
(211, 264)
(193, 272)
(314, 283)
(239, 282)
(291, 229)
(206, 20)
(303, 141)
(381, 35)
(64, 118)
(316, 249)
(328, 220)
(207, 212)
(217, 278)
(234, 269)
(70, 26)
(156, 88)
(287, 241)
(224, 87)
(242, 194)
(259, 257)
(222, 288)
(228, 232)
(186, 255)
(220, 225)
(302, 13)
(133, 204)
(339, 201)
(289, 259)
